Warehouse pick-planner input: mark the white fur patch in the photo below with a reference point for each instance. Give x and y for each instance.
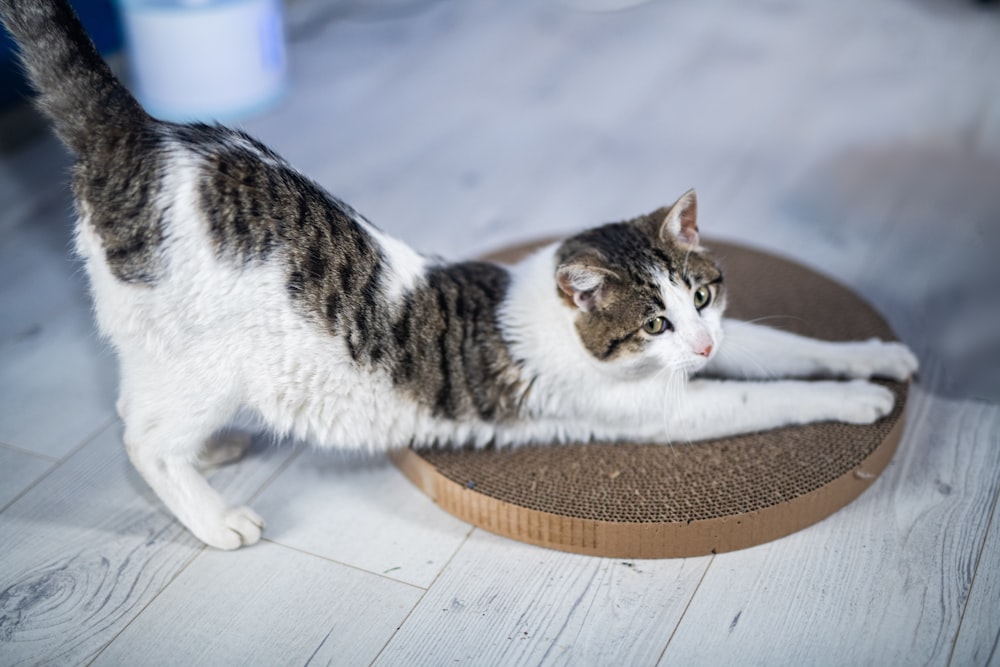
(693, 330)
(573, 396)
(212, 337)
(405, 267)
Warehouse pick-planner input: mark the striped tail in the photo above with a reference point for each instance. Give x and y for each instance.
(88, 104)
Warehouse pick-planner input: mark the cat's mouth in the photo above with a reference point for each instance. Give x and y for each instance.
(695, 363)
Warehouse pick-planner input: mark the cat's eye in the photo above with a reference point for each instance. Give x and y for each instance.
(702, 296)
(657, 325)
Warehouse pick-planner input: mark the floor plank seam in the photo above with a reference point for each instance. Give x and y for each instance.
(56, 463)
(990, 527)
(153, 599)
(427, 590)
(815, 131)
(341, 563)
(27, 452)
(270, 480)
(686, 607)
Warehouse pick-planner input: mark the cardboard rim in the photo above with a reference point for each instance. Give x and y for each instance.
(646, 539)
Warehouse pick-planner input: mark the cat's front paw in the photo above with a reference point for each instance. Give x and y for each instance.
(877, 358)
(864, 402)
(236, 527)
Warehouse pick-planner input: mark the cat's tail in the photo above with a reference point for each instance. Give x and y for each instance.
(76, 87)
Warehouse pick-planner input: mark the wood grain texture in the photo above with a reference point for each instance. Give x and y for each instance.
(89, 546)
(266, 606)
(504, 603)
(860, 138)
(884, 581)
(978, 641)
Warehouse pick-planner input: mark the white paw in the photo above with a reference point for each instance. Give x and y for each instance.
(864, 402)
(234, 528)
(876, 358)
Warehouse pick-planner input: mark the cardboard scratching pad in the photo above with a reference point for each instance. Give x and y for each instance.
(627, 500)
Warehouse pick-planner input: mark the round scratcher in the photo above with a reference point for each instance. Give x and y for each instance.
(627, 500)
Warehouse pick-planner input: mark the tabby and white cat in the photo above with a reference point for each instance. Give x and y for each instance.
(226, 280)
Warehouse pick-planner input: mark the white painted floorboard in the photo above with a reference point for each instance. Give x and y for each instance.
(361, 512)
(860, 138)
(277, 607)
(18, 471)
(883, 581)
(500, 602)
(88, 547)
(978, 641)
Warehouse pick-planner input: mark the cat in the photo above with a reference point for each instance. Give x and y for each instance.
(226, 280)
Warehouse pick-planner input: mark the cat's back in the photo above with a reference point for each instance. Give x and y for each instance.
(218, 268)
(185, 218)
(211, 257)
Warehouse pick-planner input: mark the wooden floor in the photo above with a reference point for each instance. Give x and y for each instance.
(861, 138)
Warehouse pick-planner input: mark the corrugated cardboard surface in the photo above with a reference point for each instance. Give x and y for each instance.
(629, 500)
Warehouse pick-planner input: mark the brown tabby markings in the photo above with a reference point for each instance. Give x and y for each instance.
(441, 343)
(120, 184)
(632, 251)
(448, 347)
(119, 172)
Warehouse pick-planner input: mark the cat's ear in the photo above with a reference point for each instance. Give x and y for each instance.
(681, 222)
(585, 282)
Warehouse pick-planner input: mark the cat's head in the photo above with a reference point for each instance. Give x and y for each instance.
(646, 295)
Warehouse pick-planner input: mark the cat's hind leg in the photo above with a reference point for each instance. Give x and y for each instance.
(166, 431)
(224, 448)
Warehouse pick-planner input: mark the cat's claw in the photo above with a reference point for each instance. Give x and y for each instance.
(238, 527)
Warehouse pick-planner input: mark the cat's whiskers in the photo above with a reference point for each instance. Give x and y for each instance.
(234, 282)
(674, 378)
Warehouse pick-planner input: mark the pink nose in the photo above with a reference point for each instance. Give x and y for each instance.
(707, 351)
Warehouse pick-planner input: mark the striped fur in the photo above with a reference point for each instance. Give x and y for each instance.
(226, 280)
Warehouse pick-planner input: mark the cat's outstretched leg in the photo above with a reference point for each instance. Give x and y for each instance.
(752, 351)
(164, 438)
(658, 409)
(722, 408)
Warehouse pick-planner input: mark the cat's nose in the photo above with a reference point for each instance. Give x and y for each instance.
(704, 352)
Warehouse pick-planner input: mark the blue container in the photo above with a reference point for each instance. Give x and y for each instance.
(205, 59)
